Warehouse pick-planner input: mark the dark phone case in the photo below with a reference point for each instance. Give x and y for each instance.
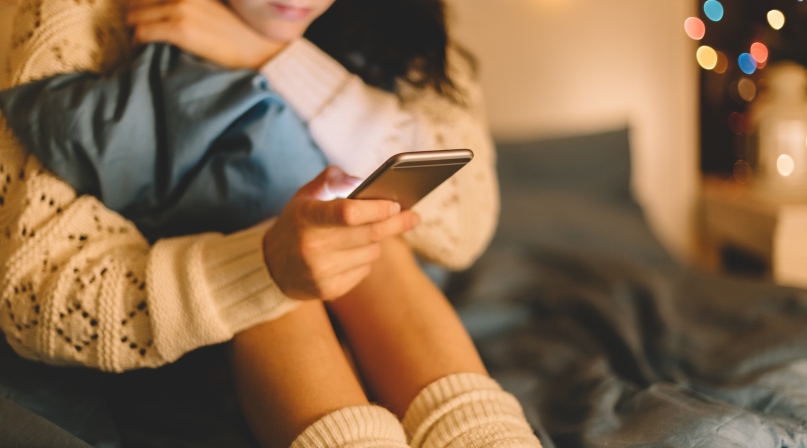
(409, 176)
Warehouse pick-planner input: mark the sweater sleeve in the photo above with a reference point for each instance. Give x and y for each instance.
(358, 127)
(79, 285)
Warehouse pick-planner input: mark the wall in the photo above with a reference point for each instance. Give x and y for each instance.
(558, 67)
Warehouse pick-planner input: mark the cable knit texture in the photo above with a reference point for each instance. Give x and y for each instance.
(467, 410)
(354, 427)
(79, 285)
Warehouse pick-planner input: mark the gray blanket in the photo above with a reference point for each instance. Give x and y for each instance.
(605, 339)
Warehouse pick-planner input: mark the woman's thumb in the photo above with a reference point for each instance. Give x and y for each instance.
(330, 184)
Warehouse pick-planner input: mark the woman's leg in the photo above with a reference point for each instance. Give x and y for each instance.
(290, 372)
(402, 330)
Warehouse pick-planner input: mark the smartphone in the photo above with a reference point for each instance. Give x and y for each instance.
(409, 176)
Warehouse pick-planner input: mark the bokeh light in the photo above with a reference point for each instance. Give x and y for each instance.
(776, 19)
(747, 63)
(742, 172)
(707, 57)
(722, 63)
(760, 52)
(747, 89)
(785, 165)
(738, 123)
(695, 28)
(713, 10)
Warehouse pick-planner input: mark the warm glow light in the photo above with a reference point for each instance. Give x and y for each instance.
(722, 63)
(713, 10)
(707, 57)
(747, 63)
(776, 19)
(785, 165)
(747, 89)
(695, 28)
(760, 52)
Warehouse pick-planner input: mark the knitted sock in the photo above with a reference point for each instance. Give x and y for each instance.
(467, 410)
(354, 427)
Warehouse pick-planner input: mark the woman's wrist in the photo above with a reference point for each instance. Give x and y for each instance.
(263, 52)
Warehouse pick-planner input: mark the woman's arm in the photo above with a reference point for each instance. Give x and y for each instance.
(358, 127)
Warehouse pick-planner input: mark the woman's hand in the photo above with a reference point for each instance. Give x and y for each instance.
(321, 249)
(205, 28)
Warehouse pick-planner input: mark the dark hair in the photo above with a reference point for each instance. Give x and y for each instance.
(384, 40)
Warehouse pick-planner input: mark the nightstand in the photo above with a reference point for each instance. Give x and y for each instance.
(734, 217)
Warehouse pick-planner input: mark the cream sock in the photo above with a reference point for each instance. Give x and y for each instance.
(467, 410)
(354, 427)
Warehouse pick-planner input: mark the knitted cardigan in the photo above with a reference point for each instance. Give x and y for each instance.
(79, 285)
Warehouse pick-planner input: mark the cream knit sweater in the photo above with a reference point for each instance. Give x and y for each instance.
(80, 285)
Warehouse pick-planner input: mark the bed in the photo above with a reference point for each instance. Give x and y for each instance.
(576, 308)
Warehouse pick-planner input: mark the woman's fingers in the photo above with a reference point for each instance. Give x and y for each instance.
(350, 212)
(328, 184)
(351, 237)
(153, 13)
(205, 28)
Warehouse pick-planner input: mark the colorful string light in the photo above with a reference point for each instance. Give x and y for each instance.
(747, 63)
(707, 57)
(695, 28)
(713, 10)
(760, 52)
(776, 19)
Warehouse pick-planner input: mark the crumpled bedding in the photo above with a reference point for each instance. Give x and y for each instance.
(605, 339)
(608, 353)
(576, 309)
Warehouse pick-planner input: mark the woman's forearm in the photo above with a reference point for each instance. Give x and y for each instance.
(358, 127)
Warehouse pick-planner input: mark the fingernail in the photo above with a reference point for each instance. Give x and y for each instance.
(394, 208)
(415, 219)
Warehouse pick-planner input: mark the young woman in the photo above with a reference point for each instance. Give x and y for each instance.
(74, 274)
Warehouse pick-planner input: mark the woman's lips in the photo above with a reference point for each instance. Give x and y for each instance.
(290, 12)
